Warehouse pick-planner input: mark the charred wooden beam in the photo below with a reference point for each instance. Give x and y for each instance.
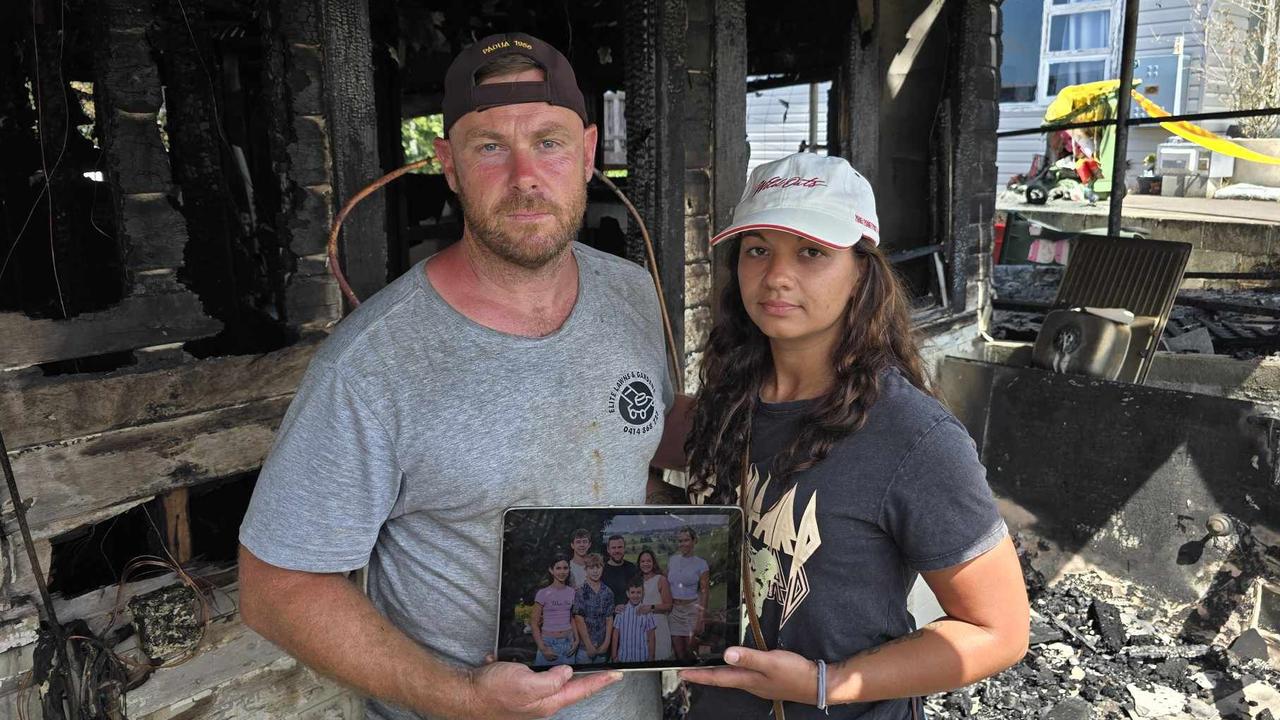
(40, 410)
(201, 157)
(352, 125)
(65, 480)
(53, 114)
(974, 116)
(293, 76)
(657, 183)
(729, 144)
(164, 315)
(861, 82)
(176, 524)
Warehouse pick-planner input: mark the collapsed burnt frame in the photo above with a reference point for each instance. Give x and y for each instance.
(533, 537)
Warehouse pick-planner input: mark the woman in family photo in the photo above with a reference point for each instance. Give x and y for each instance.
(552, 622)
(689, 578)
(856, 479)
(657, 600)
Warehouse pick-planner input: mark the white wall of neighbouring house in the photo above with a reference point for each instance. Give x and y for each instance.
(1165, 28)
(778, 121)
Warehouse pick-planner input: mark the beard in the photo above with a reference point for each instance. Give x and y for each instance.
(531, 247)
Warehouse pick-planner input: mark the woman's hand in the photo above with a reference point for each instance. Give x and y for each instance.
(547, 652)
(644, 609)
(573, 647)
(772, 675)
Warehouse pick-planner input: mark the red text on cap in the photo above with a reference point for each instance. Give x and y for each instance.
(781, 182)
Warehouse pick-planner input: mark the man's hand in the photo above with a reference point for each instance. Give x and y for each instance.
(772, 675)
(511, 690)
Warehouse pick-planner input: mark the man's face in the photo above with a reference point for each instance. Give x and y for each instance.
(520, 172)
(581, 545)
(616, 549)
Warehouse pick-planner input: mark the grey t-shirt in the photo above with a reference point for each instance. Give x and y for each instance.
(834, 553)
(414, 428)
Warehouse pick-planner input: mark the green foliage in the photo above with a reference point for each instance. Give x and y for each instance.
(417, 136)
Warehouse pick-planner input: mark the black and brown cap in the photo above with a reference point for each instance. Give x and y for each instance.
(462, 95)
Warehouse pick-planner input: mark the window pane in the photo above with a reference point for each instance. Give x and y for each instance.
(1074, 73)
(1080, 31)
(1070, 2)
(1020, 63)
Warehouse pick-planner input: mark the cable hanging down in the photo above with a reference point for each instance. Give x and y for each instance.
(335, 266)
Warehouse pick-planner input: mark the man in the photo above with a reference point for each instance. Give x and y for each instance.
(581, 545)
(617, 571)
(489, 376)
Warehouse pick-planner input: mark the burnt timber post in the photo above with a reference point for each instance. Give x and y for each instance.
(861, 78)
(655, 86)
(715, 154)
(976, 117)
(353, 130)
(729, 128)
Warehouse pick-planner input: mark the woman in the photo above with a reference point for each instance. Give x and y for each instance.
(857, 479)
(551, 622)
(687, 575)
(657, 600)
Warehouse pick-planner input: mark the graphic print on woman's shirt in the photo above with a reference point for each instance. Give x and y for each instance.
(777, 530)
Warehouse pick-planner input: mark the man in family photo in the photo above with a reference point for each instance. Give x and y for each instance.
(617, 569)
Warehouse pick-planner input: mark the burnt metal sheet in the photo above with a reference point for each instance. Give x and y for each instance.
(1125, 475)
(1139, 275)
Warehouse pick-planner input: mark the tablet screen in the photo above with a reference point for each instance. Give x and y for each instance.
(629, 588)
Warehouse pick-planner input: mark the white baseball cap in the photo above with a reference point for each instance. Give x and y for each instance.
(819, 198)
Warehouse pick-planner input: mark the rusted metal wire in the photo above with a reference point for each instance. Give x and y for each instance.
(335, 266)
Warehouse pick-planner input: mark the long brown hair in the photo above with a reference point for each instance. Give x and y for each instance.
(877, 335)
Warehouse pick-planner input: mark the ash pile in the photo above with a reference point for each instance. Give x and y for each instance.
(1101, 648)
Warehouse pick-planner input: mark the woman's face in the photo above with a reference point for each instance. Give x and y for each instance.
(560, 570)
(795, 289)
(685, 543)
(646, 563)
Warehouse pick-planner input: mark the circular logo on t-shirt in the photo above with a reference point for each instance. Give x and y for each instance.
(633, 399)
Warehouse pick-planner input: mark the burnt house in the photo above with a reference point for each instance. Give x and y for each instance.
(172, 171)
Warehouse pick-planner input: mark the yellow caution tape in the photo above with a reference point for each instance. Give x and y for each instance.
(1079, 103)
(1202, 137)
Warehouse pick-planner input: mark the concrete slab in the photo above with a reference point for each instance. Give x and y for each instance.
(1158, 207)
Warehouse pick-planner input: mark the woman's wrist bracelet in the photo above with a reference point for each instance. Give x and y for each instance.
(822, 686)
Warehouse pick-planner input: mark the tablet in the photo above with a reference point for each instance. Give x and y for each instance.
(620, 588)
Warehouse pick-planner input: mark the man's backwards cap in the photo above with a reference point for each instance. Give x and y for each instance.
(462, 95)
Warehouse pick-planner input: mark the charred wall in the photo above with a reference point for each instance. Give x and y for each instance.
(168, 186)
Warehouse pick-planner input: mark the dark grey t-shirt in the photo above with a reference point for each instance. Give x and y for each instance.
(835, 552)
(617, 577)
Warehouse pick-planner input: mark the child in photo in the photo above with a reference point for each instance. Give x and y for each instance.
(551, 622)
(581, 545)
(593, 607)
(634, 639)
